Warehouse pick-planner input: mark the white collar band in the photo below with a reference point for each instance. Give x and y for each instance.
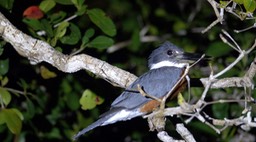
(167, 64)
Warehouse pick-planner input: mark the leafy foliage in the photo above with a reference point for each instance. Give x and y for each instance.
(99, 18)
(249, 5)
(40, 103)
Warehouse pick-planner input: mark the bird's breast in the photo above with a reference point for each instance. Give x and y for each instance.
(150, 106)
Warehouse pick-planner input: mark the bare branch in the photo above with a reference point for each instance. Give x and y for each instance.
(211, 25)
(245, 81)
(232, 10)
(143, 38)
(228, 82)
(252, 70)
(245, 29)
(219, 19)
(237, 48)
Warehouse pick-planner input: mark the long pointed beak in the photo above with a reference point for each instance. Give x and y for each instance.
(191, 57)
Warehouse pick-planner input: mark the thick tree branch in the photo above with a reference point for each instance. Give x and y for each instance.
(37, 51)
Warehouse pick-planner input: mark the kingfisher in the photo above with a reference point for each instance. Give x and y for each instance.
(166, 66)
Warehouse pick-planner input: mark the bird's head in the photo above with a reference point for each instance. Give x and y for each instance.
(169, 55)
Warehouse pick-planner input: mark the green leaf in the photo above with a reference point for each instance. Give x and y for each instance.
(7, 4)
(61, 30)
(64, 2)
(71, 101)
(46, 26)
(89, 100)
(223, 4)
(220, 111)
(33, 23)
(19, 114)
(47, 5)
(235, 110)
(85, 40)
(135, 44)
(2, 44)
(99, 18)
(12, 119)
(54, 134)
(202, 128)
(57, 17)
(179, 26)
(78, 3)
(218, 49)
(4, 66)
(101, 42)
(74, 36)
(22, 83)
(81, 10)
(239, 1)
(2, 118)
(54, 116)
(46, 73)
(30, 109)
(66, 86)
(161, 12)
(88, 34)
(5, 96)
(4, 81)
(58, 49)
(250, 5)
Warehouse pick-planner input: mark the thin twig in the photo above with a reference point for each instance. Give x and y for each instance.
(226, 41)
(210, 26)
(42, 33)
(228, 35)
(143, 93)
(219, 19)
(240, 57)
(245, 29)
(172, 89)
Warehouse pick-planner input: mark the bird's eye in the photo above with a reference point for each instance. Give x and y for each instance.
(169, 52)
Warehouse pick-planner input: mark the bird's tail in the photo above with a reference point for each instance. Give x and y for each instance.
(103, 118)
(90, 127)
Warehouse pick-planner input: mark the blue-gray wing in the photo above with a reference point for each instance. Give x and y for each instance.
(156, 82)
